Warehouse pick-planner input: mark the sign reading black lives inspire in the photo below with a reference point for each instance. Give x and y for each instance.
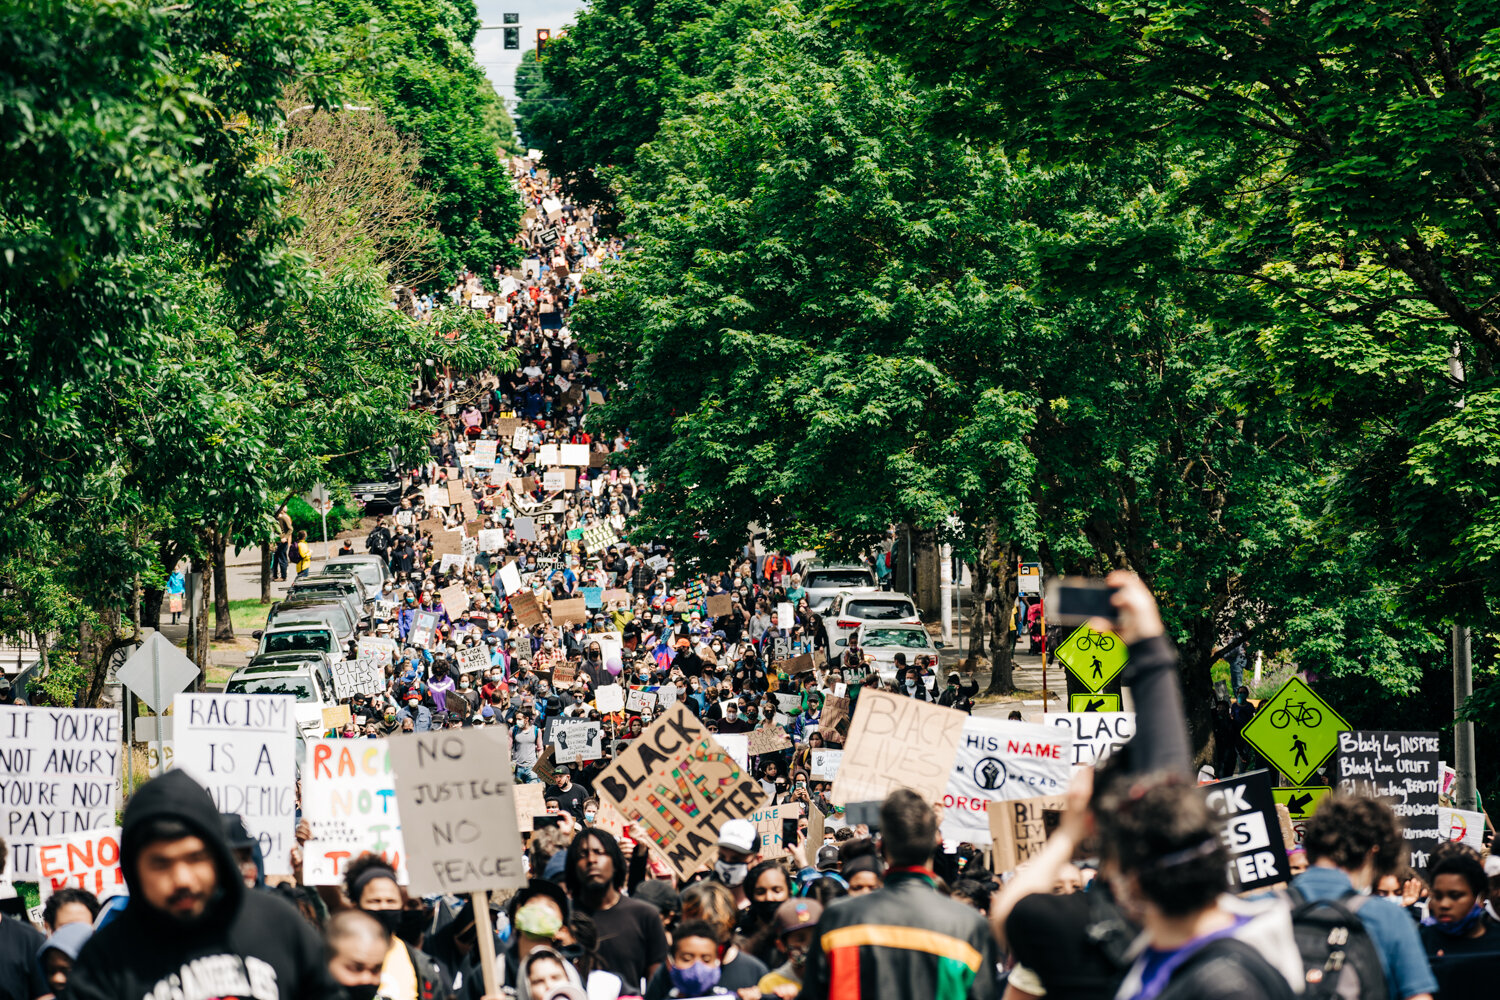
(1402, 769)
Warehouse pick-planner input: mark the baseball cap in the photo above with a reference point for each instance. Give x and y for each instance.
(739, 835)
(795, 914)
(828, 858)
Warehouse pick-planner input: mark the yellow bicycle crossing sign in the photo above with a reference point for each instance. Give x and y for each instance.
(1295, 730)
(1095, 658)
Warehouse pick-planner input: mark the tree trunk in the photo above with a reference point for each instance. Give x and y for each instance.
(204, 567)
(1002, 651)
(223, 624)
(979, 624)
(152, 599)
(265, 572)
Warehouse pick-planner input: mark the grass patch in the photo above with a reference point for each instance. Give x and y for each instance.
(249, 614)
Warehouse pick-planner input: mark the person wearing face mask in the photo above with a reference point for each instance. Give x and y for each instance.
(733, 721)
(357, 946)
(1462, 942)
(796, 924)
(767, 886)
(407, 972)
(708, 903)
(738, 850)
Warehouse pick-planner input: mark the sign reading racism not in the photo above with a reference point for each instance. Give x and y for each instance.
(59, 773)
(1000, 760)
(349, 800)
(897, 742)
(680, 785)
(462, 833)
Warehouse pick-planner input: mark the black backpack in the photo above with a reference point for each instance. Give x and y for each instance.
(1339, 957)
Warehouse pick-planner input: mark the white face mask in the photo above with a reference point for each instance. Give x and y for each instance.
(731, 875)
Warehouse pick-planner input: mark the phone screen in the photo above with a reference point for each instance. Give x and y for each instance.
(789, 831)
(1085, 602)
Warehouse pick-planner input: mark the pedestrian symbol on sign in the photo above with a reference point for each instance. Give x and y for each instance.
(1295, 730)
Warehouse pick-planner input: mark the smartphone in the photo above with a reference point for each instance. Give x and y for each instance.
(789, 832)
(1073, 600)
(867, 813)
(543, 820)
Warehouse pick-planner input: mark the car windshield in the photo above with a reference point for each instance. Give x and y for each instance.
(299, 686)
(840, 578)
(367, 572)
(879, 638)
(281, 642)
(881, 610)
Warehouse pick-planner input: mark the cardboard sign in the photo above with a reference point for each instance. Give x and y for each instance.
(423, 629)
(1401, 768)
(365, 675)
(823, 765)
(815, 828)
(455, 600)
(336, 717)
(1019, 828)
(609, 698)
(639, 700)
(1000, 760)
(473, 658)
(461, 831)
(835, 716)
(720, 605)
(60, 773)
(767, 822)
(616, 596)
(457, 493)
(1252, 830)
(896, 742)
(1096, 735)
(349, 801)
(768, 739)
(531, 802)
(800, 664)
(243, 749)
(577, 740)
(572, 610)
(89, 859)
(564, 673)
(528, 611)
(680, 786)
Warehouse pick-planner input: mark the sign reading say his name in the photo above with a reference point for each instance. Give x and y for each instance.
(59, 773)
(1252, 831)
(1401, 768)
(242, 748)
(349, 800)
(1096, 735)
(89, 859)
(897, 742)
(462, 833)
(1000, 760)
(680, 785)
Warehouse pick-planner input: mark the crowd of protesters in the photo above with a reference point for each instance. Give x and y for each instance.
(1129, 898)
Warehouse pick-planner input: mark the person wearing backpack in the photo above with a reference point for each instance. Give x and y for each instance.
(1351, 841)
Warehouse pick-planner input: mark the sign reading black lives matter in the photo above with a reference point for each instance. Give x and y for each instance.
(1402, 769)
(1252, 831)
(458, 808)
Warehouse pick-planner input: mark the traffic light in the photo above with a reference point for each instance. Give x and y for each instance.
(510, 19)
(512, 38)
(543, 36)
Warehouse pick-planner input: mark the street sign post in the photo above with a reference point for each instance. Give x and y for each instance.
(155, 673)
(1295, 730)
(1095, 658)
(319, 500)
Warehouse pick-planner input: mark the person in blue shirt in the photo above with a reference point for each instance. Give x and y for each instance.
(1351, 841)
(176, 590)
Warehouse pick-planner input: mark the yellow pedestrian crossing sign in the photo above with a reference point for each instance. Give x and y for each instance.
(1094, 703)
(1095, 658)
(1301, 803)
(1295, 730)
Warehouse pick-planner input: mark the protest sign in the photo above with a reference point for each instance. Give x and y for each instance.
(768, 827)
(461, 830)
(667, 694)
(546, 767)
(598, 537)
(896, 742)
(640, 700)
(1401, 768)
(564, 672)
(510, 578)
(527, 610)
(834, 717)
(520, 439)
(657, 563)
(381, 650)
(451, 563)
(572, 610)
(485, 452)
(365, 675)
(457, 493)
(573, 454)
(1001, 760)
(800, 664)
(612, 651)
(720, 605)
(546, 455)
(492, 539)
(737, 745)
(823, 765)
(472, 658)
(616, 596)
(593, 597)
(1096, 735)
(1019, 828)
(455, 600)
(680, 786)
(784, 617)
(789, 703)
(349, 801)
(577, 740)
(1252, 830)
(609, 698)
(59, 773)
(423, 629)
(1462, 826)
(336, 717)
(242, 748)
(815, 828)
(88, 859)
(554, 479)
(435, 495)
(768, 739)
(531, 802)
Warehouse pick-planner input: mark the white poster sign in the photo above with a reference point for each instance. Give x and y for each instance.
(1096, 735)
(59, 774)
(349, 800)
(89, 859)
(577, 740)
(999, 760)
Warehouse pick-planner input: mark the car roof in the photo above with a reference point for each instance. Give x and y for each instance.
(259, 669)
(297, 624)
(368, 560)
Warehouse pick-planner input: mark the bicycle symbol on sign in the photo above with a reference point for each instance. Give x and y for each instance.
(1299, 712)
(1095, 640)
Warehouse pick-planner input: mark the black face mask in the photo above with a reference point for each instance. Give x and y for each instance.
(366, 991)
(762, 912)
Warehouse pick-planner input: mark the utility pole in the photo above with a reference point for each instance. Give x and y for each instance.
(945, 579)
(1463, 663)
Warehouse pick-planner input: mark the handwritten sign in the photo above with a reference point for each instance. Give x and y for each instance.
(577, 740)
(531, 802)
(1096, 735)
(768, 827)
(59, 773)
(528, 611)
(1020, 827)
(823, 765)
(1401, 768)
(461, 834)
(336, 717)
(768, 739)
(242, 748)
(720, 605)
(472, 658)
(349, 800)
(1000, 760)
(680, 786)
(423, 629)
(639, 700)
(1252, 830)
(609, 698)
(89, 859)
(897, 742)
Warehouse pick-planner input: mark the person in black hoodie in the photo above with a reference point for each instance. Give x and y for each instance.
(191, 930)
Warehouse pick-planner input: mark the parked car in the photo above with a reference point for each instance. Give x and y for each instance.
(823, 583)
(308, 681)
(292, 634)
(849, 611)
(331, 613)
(380, 491)
(371, 570)
(345, 589)
(881, 643)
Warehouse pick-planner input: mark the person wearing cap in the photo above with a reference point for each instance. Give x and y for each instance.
(569, 796)
(418, 714)
(796, 923)
(828, 858)
(739, 848)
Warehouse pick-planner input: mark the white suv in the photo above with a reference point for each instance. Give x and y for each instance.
(848, 611)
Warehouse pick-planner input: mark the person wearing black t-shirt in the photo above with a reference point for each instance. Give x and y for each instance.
(632, 941)
(568, 795)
